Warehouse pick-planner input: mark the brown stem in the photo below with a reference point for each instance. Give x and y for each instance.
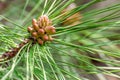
(10, 54)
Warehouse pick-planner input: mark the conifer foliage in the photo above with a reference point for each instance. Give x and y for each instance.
(59, 40)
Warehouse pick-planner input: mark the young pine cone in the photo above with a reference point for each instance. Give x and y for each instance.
(42, 29)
